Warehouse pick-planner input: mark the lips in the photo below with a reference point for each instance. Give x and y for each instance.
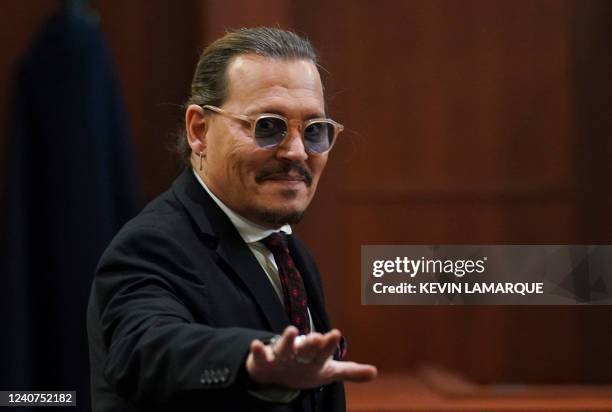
(291, 178)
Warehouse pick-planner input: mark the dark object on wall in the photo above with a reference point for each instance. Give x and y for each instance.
(71, 185)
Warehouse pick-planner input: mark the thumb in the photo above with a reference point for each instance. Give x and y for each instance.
(353, 372)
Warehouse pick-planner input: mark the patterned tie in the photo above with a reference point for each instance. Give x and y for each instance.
(294, 293)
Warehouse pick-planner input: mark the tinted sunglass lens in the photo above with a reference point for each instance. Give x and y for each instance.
(270, 132)
(318, 137)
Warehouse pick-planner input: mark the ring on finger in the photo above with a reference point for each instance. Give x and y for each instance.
(273, 341)
(272, 344)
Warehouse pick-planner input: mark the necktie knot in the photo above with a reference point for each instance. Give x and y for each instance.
(276, 243)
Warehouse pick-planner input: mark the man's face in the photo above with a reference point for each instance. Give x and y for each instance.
(268, 187)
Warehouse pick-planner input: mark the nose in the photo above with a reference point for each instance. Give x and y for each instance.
(292, 147)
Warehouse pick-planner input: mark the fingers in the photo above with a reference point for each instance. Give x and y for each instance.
(316, 348)
(307, 347)
(284, 348)
(353, 372)
(261, 353)
(328, 346)
(304, 349)
(256, 363)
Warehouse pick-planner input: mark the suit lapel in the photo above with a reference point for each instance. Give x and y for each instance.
(240, 258)
(216, 226)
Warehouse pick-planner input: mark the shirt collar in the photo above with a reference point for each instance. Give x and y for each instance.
(249, 231)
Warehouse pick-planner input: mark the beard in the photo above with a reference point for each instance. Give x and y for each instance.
(278, 218)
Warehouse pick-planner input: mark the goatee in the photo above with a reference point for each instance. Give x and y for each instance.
(275, 218)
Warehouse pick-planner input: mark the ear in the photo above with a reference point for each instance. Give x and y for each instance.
(196, 127)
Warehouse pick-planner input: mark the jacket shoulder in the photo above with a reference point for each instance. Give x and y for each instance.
(164, 213)
(161, 231)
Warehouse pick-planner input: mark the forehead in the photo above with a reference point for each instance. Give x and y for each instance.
(257, 83)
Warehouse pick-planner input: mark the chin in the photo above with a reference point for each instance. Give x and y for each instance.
(277, 213)
(279, 207)
(276, 218)
(291, 200)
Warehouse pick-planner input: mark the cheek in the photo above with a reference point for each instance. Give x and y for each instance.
(317, 165)
(241, 163)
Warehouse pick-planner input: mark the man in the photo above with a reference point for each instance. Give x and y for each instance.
(205, 301)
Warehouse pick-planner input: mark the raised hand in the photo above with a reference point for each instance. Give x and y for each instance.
(303, 362)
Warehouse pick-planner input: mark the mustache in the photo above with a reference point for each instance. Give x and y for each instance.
(285, 168)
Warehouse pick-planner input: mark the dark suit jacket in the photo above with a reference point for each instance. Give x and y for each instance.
(176, 300)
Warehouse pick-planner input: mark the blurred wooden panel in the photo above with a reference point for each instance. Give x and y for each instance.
(461, 128)
(218, 16)
(499, 338)
(435, 389)
(592, 106)
(156, 45)
(451, 92)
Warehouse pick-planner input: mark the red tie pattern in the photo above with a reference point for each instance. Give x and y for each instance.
(296, 303)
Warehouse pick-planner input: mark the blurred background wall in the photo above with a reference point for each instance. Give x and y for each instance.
(468, 122)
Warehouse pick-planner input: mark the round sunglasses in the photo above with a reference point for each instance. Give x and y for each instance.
(269, 130)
